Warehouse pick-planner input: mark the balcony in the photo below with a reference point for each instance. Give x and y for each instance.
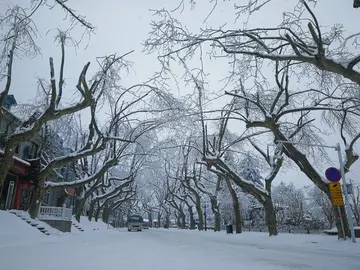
(55, 213)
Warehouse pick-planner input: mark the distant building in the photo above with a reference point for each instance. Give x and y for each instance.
(21, 181)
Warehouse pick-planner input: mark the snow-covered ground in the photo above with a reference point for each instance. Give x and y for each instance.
(24, 247)
(91, 226)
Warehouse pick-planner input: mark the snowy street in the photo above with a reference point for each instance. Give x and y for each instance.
(168, 249)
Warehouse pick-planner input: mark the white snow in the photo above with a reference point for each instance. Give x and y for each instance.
(23, 247)
(90, 226)
(14, 231)
(26, 215)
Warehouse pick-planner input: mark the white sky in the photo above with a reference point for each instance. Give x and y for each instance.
(123, 26)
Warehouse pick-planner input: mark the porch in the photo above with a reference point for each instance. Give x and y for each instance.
(57, 217)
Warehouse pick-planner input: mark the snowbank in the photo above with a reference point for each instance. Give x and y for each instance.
(334, 230)
(14, 231)
(42, 224)
(162, 249)
(283, 240)
(88, 226)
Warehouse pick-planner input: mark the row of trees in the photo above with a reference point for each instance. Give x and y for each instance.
(283, 83)
(181, 187)
(107, 149)
(314, 82)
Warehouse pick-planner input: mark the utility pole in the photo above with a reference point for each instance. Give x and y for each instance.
(343, 177)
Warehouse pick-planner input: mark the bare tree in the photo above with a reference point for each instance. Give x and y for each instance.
(355, 198)
(120, 132)
(19, 34)
(176, 201)
(236, 206)
(75, 18)
(211, 188)
(189, 178)
(160, 195)
(321, 206)
(295, 52)
(217, 159)
(291, 202)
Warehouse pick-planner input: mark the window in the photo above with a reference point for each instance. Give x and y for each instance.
(46, 198)
(34, 149)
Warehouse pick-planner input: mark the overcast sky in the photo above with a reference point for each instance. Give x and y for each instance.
(122, 26)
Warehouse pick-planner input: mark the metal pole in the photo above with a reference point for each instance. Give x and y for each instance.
(347, 203)
(342, 169)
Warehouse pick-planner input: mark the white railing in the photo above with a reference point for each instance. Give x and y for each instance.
(54, 213)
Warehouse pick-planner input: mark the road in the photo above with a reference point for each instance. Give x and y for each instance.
(162, 249)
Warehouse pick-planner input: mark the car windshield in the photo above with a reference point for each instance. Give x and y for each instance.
(135, 219)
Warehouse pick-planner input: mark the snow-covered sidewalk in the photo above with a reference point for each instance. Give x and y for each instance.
(173, 249)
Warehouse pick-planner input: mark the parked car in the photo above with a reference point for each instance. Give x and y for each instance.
(135, 223)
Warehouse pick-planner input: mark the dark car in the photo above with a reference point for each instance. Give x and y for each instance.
(135, 223)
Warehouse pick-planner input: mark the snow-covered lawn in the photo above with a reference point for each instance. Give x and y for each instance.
(24, 247)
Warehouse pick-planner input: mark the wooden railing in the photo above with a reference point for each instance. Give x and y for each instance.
(54, 213)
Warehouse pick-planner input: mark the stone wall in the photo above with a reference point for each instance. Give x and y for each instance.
(61, 225)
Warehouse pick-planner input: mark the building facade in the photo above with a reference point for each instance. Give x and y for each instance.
(20, 182)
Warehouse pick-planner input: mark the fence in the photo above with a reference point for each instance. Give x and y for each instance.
(54, 213)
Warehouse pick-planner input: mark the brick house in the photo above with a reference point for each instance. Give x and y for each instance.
(20, 182)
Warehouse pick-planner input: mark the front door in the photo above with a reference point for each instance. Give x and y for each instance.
(8, 192)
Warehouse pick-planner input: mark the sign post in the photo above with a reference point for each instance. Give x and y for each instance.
(334, 175)
(342, 173)
(337, 200)
(347, 200)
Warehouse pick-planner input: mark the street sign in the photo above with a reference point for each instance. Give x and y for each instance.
(336, 194)
(332, 174)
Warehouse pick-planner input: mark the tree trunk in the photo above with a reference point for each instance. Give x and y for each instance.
(200, 214)
(91, 211)
(337, 219)
(192, 221)
(79, 207)
(345, 222)
(159, 218)
(236, 206)
(35, 201)
(167, 219)
(183, 220)
(216, 212)
(270, 216)
(178, 220)
(97, 213)
(217, 221)
(106, 214)
(150, 219)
